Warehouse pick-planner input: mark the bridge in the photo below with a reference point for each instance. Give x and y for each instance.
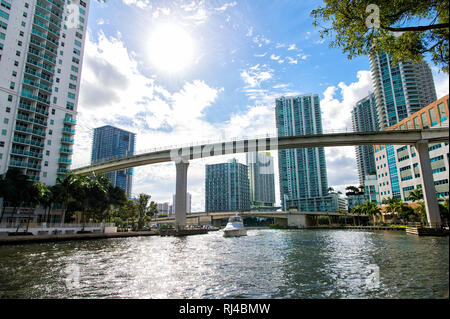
(291, 218)
(182, 155)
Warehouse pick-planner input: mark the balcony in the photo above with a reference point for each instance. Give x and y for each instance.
(64, 150)
(34, 166)
(70, 121)
(33, 177)
(63, 160)
(27, 107)
(17, 163)
(68, 130)
(67, 141)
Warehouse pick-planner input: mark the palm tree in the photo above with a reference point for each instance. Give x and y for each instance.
(14, 189)
(371, 209)
(416, 195)
(45, 197)
(403, 210)
(421, 212)
(33, 197)
(65, 190)
(357, 210)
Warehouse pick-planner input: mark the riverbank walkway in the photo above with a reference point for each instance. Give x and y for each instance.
(18, 240)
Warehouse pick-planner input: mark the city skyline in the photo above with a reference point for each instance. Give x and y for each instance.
(256, 64)
(240, 66)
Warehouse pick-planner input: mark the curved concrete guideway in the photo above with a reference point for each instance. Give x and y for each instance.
(181, 156)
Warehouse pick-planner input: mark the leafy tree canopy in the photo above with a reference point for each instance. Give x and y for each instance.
(405, 29)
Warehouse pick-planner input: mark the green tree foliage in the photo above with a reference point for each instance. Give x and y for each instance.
(407, 30)
(353, 190)
(416, 195)
(370, 209)
(15, 189)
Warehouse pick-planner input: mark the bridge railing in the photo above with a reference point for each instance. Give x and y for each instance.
(222, 139)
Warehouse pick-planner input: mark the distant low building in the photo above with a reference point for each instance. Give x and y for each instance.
(163, 208)
(329, 203)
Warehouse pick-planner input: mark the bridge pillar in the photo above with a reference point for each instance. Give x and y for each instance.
(429, 191)
(180, 195)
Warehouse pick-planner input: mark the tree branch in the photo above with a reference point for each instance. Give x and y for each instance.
(418, 28)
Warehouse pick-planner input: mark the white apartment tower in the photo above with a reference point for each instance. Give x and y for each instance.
(41, 54)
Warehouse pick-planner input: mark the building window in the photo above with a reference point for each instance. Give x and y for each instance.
(441, 111)
(424, 119)
(433, 118)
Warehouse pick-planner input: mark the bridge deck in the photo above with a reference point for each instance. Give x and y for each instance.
(406, 137)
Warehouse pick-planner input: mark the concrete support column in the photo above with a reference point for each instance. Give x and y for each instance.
(429, 191)
(180, 195)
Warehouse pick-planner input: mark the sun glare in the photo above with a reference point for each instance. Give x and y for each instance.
(171, 48)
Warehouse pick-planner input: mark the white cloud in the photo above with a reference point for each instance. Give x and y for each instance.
(337, 113)
(255, 75)
(292, 47)
(138, 3)
(336, 116)
(274, 57)
(226, 6)
(291, 60)
(260, 55)
(441, 82)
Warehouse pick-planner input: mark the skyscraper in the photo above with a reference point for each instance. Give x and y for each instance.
(400, 90)
(364, 119)
(303, 173)
(262, 180)
(227, 187)
(41, 55)
(111, 142)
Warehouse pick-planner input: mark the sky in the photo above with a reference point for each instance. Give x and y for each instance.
(180, 72)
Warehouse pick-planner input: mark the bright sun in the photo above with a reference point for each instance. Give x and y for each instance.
(171, 48)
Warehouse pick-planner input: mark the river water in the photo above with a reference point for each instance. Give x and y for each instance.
(265, 264)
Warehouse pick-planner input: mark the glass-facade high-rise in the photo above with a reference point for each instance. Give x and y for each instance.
(109, 143)
(400, 90)
(227, 187)
(41, 56)
(303, 175)
(262, 180)
(364, 119)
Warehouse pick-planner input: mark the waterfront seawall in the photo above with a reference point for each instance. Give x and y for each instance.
(17, 240)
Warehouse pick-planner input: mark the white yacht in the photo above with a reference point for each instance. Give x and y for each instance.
(235, 227)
